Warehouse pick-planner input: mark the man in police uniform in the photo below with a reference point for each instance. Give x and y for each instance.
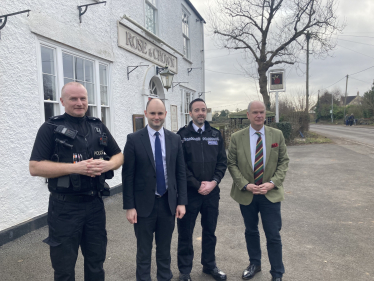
(206, 163)
(70, 150)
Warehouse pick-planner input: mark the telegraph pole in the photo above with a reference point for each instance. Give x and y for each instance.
(345, 99)
(332, 108)
(307, 71)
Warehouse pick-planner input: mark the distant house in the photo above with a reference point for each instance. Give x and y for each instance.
(351, 100)
(239, 118)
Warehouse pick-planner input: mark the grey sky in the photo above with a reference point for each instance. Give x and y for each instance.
(354, 53)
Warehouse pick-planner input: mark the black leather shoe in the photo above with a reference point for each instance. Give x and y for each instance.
(276, 279)
(216, 273)
(184, 277)
(250, 271)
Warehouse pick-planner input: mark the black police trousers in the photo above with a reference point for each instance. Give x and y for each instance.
(208, 207)
(74, 224)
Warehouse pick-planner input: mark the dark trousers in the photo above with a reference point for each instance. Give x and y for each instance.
(272, 224)
(208, 207)
(73, 224)
(161, 222)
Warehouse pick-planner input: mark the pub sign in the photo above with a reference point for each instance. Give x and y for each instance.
(277, 81)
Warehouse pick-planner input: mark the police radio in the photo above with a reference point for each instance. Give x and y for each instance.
(62, 130)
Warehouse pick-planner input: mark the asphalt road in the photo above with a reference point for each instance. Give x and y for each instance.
(327, 234)
(363, 135)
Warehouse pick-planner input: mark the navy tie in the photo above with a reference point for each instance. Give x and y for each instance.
(160, 175)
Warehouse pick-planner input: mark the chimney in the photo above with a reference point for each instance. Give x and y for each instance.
(358, 93)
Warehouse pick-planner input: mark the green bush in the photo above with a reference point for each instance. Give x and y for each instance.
(286, 129)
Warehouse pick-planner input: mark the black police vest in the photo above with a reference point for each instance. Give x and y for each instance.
(82, 147)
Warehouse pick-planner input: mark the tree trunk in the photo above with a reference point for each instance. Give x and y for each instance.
(263, 81)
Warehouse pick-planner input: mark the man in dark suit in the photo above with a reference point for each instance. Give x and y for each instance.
(154, 190)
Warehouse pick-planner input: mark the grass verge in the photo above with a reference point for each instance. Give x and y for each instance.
(311, 138)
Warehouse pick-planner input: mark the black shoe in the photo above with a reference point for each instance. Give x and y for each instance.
(250, 271)
(276, 279)
(184, 277)
(216, 273)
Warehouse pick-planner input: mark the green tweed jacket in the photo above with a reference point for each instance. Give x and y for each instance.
(241, 170)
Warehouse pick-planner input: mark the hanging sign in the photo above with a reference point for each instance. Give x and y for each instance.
(277, 80)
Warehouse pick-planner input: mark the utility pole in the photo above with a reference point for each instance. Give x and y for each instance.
(307, 72)
(332, 108)
(345, 99)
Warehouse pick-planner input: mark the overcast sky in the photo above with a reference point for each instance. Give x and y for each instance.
(354, 53)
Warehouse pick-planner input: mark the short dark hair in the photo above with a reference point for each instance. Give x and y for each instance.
(149, 101)
(195, 100)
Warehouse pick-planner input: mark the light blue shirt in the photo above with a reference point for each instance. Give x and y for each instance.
(253, 141)
(197, 128)
(152, 138)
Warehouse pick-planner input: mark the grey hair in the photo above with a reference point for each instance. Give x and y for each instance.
(249, 105)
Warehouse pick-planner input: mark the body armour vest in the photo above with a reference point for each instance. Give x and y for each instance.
(73, 146)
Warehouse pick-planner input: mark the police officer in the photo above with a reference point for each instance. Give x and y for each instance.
(70, 151)
(206, 163)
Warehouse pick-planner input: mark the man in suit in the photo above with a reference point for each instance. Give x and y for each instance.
(154, 190)
(257, 162)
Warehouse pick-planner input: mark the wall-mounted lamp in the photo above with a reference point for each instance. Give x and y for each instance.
(85, 9)
(190, 69)
(5, 17)
(134, 67)
(166, 76)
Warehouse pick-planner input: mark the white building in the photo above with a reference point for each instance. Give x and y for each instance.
(41, 52)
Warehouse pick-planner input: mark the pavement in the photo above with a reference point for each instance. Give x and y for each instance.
(327, 234)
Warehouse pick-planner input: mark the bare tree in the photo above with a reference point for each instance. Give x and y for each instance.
(271, 32)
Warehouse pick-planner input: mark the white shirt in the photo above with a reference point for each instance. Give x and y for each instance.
(253, 141)
(152, 138)
(197, 128)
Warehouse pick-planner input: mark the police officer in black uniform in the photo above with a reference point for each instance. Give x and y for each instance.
(76, 153)
(206, 163)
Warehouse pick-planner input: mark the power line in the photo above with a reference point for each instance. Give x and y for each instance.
(356, 51)
(360, 80)
(335, 83)
(355, 36)
(225, 55)
(361, 71)
(356, 42)
(224, 72)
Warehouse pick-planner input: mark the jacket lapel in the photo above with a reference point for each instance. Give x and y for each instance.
(247, 147)
(268, 139)
(147, 146)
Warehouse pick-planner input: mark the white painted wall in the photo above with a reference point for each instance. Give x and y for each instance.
(23, 197)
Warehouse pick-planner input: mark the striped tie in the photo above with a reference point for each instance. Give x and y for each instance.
(259, 161)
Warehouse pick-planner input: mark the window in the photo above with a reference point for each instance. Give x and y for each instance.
(49, 82)
(90, 72)
(186, 97)
(186, 36)
(151, 16)
(152, 88)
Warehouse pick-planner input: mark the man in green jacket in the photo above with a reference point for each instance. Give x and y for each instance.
(257, 162)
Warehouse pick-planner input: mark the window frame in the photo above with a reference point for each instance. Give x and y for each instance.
(153, 6)
(186, 37)
(59, 50)
(185, 116)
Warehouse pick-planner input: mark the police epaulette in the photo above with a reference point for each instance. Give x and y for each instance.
(57, 117)
(95, 119)
(182, 128)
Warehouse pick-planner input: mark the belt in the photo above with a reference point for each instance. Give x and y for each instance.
(73, 198)
(159, 196)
